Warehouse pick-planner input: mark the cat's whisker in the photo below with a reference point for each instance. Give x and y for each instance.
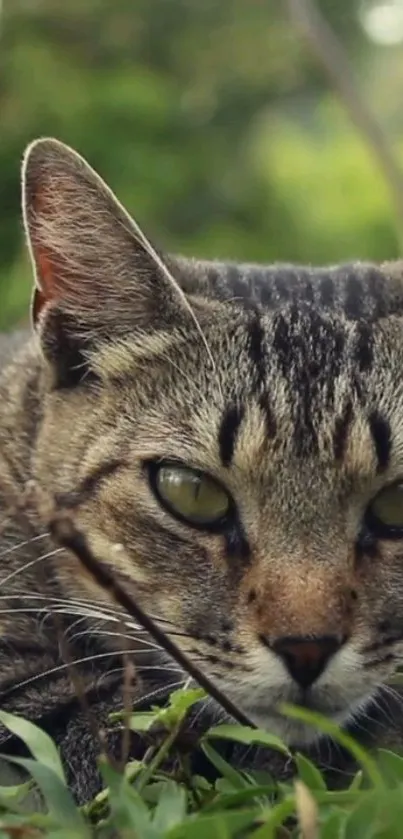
(104, 612)
(55, 599)
(67, 636)
(44, 610)
(103, 676)
(90, 633)
(204, 704)
(389, 692)
(107, 613)
(394, 693)
(86, 660)
(161, 691)
(69, 608)
(81, 610)
(154, 618)
(23, 544)
(179, 634)
(30, 564)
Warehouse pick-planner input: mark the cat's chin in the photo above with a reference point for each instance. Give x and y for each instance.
(293, 733)
(297, 734)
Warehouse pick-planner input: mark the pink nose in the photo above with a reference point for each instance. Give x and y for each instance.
(306, 658)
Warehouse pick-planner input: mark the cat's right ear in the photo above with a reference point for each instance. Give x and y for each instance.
(97, 275)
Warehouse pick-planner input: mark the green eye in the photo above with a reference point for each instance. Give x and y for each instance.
(386, 511)
(191, 495)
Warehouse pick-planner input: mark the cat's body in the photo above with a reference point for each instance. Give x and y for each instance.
(280, 390)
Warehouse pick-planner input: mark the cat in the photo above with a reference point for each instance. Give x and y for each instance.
(230, 439)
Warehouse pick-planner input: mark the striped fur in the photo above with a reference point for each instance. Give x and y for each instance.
(282, 382)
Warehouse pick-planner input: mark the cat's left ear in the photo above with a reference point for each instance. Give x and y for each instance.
(96, 273)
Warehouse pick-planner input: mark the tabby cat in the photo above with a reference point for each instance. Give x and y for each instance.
(230, 438)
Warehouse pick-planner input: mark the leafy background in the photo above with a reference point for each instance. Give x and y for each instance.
(211, 120)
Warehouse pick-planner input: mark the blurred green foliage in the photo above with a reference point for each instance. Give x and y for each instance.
(210, 120)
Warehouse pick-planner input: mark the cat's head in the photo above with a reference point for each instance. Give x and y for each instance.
(232, 440)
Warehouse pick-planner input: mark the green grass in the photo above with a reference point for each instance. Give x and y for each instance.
(148, 801)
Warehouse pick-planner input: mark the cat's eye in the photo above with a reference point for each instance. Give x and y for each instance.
(190, 495)
(385, 513)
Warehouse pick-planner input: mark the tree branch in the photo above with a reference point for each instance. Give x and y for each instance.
(330, 53)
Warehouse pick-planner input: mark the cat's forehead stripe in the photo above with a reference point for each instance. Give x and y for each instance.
(358, 290)
(381, 435)
(257, 349)
(341, 431)
(354, 301)
(364, 348)
(326, 291)
(228, 432)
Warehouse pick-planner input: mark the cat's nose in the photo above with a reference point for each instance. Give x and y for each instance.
(306, 658)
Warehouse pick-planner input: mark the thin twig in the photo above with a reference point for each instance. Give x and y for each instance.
(65, 534)
(128, 680)
(331, 54)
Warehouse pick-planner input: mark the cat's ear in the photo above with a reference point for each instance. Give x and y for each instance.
(96, 273)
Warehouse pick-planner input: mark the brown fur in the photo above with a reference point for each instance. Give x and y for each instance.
(283, 383)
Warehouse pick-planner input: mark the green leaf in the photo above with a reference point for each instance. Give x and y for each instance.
(356, 783)
(391, 766)
(21, 798)
(171, 807)
(112, 779)
(151, 794)
(37, 741)
(129, 813)
(261, 778)
(339, 798)
(362, 822)
(234, 799)
(223, 786)
(142, 721)
(180, 702)
(201, 783)
(333, 826)
(14, 794)
(249, 736)
(234, 777)
(61, 833)
(58, 799)
(214, 826)
(309, 774)
(273, 818)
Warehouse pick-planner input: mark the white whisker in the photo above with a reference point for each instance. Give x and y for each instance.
(84, 660)
(24, 544)
(157, 692)
(104, 612)
(103, 676)
(67, 633)
(29, 565)
(100, 633)
(49, 611)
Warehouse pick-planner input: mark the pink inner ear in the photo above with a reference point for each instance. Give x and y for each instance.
(45, 267)
(46, 290)
(38, 302)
